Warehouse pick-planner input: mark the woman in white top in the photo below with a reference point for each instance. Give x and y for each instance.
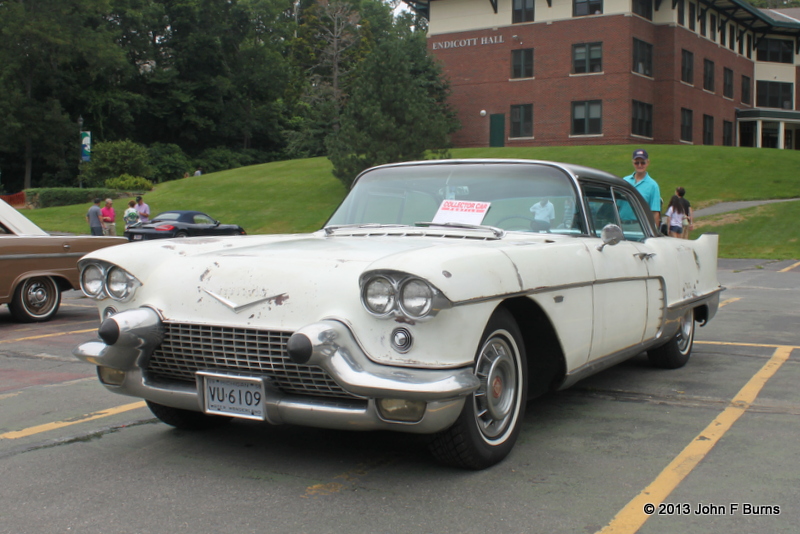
(675, 214)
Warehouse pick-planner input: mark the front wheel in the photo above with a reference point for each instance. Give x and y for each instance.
(35, 300)
(186, 419)
(675, 352)
(488, 426)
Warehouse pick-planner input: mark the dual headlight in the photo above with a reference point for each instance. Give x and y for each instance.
(101, 280)
(384, 294)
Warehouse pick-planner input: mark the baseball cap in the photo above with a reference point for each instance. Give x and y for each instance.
(138, 198)
(640, 153)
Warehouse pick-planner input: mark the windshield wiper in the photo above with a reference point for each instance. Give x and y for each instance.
(498, 232)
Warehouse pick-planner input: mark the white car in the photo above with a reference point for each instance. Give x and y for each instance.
(433, 301)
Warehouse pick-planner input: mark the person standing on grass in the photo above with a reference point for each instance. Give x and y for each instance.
(143, 210)
(109, 218)
(688, 223)
(95, 218)
(131, 216)
(647, 187)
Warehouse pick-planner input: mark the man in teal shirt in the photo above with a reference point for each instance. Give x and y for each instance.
(646, 186)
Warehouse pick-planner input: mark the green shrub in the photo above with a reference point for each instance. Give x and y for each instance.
(48, 197)
(168, 162)
(126, 182)
(114, 158)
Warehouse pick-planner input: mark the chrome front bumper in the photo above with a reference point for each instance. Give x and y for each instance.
(129, 338)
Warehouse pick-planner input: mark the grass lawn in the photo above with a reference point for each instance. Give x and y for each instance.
(299, 195)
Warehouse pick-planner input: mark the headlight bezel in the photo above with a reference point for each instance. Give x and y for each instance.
(106, 271)
(398, 298)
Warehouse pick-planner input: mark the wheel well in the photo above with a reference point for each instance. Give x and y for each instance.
(63, 283)
(546, 367)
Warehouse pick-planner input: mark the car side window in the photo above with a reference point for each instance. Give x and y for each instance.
(632, 226)
(202, 219)
(602, 210)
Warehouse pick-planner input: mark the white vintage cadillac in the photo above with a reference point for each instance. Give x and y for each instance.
(438, 299)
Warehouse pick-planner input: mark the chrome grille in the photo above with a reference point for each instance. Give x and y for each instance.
(188, 348)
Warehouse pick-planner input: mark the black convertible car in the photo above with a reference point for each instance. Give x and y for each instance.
(180, 223)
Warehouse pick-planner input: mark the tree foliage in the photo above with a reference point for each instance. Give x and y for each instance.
(216, 83)
(397, 107)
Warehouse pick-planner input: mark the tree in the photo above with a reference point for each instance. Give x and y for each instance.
(396, 109)
(46, 47)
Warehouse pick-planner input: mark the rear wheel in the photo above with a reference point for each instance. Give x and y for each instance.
(182, 233)
(491, 419)
(35, 300)
(675, 352)
(186, 419)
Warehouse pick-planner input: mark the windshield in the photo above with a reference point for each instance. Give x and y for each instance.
(521, 197)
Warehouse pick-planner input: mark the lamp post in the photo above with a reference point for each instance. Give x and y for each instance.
(80, 149)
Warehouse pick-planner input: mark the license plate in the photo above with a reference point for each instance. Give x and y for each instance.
(137, 237)
(234, 396)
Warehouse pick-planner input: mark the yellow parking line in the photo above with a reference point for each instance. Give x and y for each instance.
(728, 301)
(16, 434)
(736, 344)
(631, 518)
(789, 268)
(48, 335)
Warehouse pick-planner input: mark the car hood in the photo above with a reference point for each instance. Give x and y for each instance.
(256, 276)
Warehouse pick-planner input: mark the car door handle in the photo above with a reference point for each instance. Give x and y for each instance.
(644, 255)
(66, 246)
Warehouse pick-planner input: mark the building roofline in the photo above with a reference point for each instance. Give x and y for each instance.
(756, 19)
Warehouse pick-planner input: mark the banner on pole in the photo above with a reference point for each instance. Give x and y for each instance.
(86, 146)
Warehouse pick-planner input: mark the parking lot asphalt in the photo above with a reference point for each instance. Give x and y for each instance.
(711, 447)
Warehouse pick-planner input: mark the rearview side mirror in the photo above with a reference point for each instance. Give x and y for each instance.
(611, 235)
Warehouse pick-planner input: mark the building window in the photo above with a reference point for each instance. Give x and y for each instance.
(721, 33)
(522, 120)
(731, 36)
(686, 125)
(708, 75)
(643, 8)
(642, 119)
(581, 8)
(687, 67)
(523, 11)
(749, 46)
(727, 133)
(642, 57)
(681, 10)
(587, 117)
(741, 44)
(522, 63)
(708, 130)
(692, 16)
(774, 95)
(712, 22)
(727, 83)
(775, 50)
(746, 90)
(703, 23)
(587, 57)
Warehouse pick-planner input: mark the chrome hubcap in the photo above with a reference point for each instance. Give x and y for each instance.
(496, 398)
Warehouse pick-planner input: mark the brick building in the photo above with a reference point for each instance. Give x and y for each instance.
(574, 72)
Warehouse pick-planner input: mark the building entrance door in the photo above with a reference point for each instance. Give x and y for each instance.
(497, 130)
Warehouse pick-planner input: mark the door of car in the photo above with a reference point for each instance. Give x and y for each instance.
(623, 292)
